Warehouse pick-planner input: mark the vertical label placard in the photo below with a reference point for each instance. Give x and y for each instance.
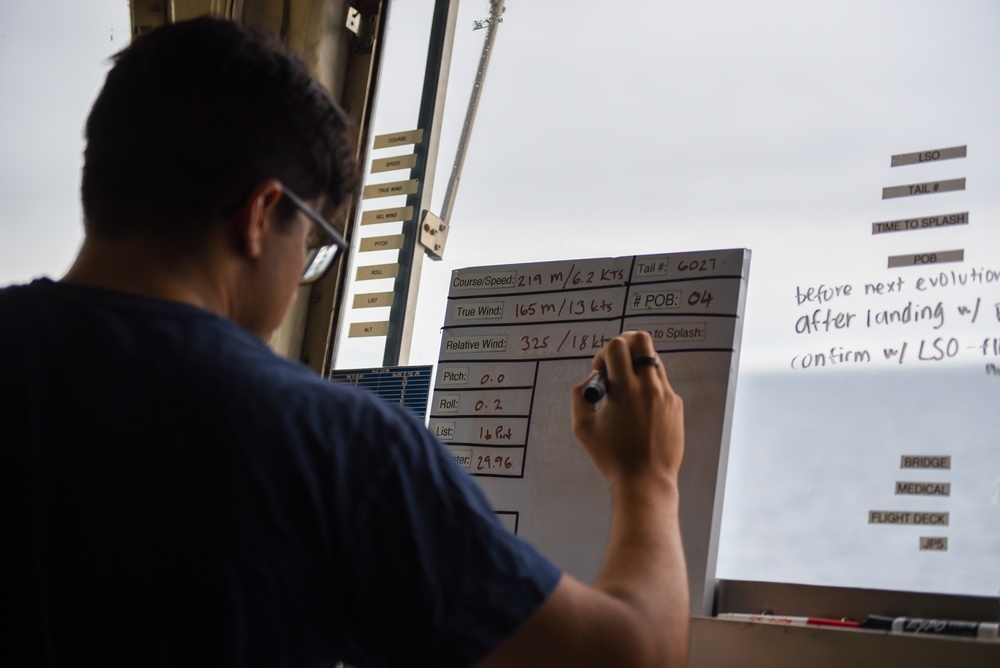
(399, 214)
(398, 138)
(394, 163)
(391, 189)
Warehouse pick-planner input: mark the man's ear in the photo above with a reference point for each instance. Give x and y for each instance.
(255, 215)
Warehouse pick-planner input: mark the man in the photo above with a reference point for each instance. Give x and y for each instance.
(174, 493)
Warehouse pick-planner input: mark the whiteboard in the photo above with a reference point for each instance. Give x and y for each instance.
(518, 337)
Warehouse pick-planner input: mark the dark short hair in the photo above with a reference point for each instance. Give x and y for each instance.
(192, 116)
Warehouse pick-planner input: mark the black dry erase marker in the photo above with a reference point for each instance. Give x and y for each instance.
(947, 627)
(597, 387)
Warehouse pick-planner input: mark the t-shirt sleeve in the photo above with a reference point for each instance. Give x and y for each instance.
(435, 577)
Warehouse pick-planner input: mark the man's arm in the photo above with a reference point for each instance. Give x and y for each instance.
(637, 611)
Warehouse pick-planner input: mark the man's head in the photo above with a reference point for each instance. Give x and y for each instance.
(192, 118)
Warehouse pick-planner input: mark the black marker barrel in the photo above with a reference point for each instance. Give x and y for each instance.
(596, 388)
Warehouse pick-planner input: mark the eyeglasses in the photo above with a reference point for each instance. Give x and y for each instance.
(321, 256)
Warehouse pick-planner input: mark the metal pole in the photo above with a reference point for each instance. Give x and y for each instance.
(496, 12)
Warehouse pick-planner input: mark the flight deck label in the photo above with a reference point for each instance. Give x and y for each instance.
(907, 517)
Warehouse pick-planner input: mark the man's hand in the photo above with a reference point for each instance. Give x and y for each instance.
(639, 428)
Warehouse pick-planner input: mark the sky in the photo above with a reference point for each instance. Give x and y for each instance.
(53, 58)
(663, 127)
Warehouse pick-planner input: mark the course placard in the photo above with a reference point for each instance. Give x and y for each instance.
(398, 139)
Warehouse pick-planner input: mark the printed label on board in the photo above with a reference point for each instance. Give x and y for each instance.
(456, 375)
(646, 268)
(445, 403)
(925, 462)
(934, 543)
(924, 488)
(662, 299)
(686, 331)
(936, 257)
(398, 138)
(928, 188)
(928, 156)
(494, 343)
(906, 517)
(399, 214)
(910, 224)
(391, 189)
(395, 162)
(463, 458)
(444, 431)
(674, 332)
(499, 280)
(475, 311)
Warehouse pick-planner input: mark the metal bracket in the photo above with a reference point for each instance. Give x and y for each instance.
(433, 234)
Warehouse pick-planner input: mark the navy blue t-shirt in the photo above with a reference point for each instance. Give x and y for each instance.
(172, 492)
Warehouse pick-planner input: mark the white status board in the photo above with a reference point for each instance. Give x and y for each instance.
(517, 338)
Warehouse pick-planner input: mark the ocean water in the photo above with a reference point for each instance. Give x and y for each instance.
(812, 453)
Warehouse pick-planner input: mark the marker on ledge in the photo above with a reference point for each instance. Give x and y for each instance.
(945, 627)
(785, 620)
(597, 387)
